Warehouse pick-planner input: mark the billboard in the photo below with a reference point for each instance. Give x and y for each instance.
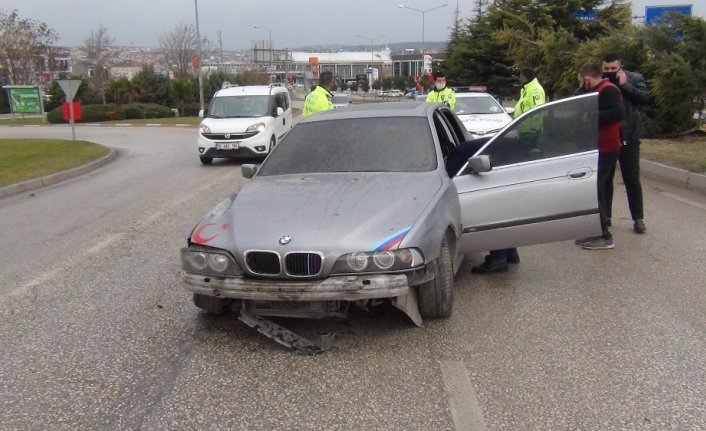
(655, 15)
(25, 100)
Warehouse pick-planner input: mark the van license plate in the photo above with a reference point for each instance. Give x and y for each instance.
(227, 146)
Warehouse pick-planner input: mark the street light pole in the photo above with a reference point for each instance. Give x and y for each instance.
(198, 47)
(423, 12)
(372, 51)
(269, 49)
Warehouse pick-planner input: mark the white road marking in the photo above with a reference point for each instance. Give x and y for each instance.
(684, 200)
(105, 243)
(36, 282)
(465, 411)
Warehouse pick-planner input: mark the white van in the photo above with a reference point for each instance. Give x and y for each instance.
(244, 121)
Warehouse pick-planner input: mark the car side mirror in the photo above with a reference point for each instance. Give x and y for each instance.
(280, 111)
(203, 113)
(248, 170)
(478, 165)
(510, 110)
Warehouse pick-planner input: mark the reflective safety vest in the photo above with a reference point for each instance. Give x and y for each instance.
(317, 101)
(531, 95)
(446, 96)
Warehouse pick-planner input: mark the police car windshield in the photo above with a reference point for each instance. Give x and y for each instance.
(477, 105)
(340, 99)
(239, 106)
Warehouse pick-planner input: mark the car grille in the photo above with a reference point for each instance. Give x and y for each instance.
(222, 136)
(303, 264)
(263, 262)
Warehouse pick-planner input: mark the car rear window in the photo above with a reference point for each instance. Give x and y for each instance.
(387, 144)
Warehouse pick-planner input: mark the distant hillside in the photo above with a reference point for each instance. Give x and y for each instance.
(394, 47)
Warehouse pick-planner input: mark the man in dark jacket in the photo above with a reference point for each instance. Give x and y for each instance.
(634, 91)
(611, 114)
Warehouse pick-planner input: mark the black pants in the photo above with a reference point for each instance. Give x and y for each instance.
(606, 172)
(630, 169)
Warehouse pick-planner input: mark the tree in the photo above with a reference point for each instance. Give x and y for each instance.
(179, 49)
(24, 45)
(151, 87)
(365, 86)
(97, 48)
(342, 86)
(182, 89)
(121, 91)
(354, 86)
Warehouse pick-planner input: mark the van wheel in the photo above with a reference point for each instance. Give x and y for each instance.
(206, 160)
(436, 297)
(273, 142)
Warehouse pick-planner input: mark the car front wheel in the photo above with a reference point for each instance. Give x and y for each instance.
(206, 160)
(211, 304)
(436, 297)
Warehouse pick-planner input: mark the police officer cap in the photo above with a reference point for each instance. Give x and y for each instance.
(439, 74)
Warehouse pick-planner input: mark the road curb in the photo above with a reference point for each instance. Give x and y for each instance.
(57, 177)
(674, 176)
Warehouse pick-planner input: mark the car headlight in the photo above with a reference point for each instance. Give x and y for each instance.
(210, 262)
(378, 261)
(259, 128)
(204, 129)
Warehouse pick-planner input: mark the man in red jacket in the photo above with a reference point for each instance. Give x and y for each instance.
(611, 114)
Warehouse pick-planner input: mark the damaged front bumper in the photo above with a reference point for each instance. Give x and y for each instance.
(343, 288)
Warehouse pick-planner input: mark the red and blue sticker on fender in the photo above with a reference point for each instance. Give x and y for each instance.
(391, 241)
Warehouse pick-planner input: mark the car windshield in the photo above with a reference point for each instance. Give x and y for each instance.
(477, 105)
(239, 106)
(341, 100)
(385, 144)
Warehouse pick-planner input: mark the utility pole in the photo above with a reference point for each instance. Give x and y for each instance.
(423, 12)
(220, 45)
(198, 47)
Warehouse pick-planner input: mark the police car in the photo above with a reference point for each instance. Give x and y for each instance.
(480, 113)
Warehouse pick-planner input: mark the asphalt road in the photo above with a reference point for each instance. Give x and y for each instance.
(96, 332)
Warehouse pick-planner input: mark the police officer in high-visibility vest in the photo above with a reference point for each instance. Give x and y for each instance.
(531, 95)
(320, 99)
(441, 93)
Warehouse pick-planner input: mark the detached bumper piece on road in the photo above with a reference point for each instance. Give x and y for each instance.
(286, 337)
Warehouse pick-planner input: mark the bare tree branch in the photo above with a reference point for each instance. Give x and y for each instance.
(24, 46)
(179, 48)
(97, 48)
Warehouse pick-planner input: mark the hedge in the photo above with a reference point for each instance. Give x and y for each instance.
(111, 112)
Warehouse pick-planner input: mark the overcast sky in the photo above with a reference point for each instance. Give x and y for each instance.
(141, 22)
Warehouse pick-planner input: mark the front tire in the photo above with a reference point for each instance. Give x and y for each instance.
(206, 160)
(211, 304)
(436, 297)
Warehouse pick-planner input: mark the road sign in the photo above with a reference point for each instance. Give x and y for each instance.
(70, 87)
(656, 14)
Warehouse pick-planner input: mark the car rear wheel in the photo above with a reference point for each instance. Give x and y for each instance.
(206, 160)
(211, 304)
(436, 297)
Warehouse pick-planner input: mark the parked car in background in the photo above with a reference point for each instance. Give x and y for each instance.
(340, 99)
(396, 93)
(481, 113)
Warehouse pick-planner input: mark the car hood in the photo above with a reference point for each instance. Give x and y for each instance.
(233, 125)
(329, 213)
(484, 122)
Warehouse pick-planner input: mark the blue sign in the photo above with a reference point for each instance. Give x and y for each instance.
(655, 14)
(586, 15)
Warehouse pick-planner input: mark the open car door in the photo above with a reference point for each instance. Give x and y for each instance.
(542, 186)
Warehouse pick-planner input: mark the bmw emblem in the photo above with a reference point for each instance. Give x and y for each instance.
(285, 240)
(227, 135)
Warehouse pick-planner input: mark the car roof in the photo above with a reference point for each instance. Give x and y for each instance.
(368, 110)
(242, 90)
(473, 94)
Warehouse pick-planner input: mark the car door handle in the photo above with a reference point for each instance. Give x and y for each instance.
(579, 173)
